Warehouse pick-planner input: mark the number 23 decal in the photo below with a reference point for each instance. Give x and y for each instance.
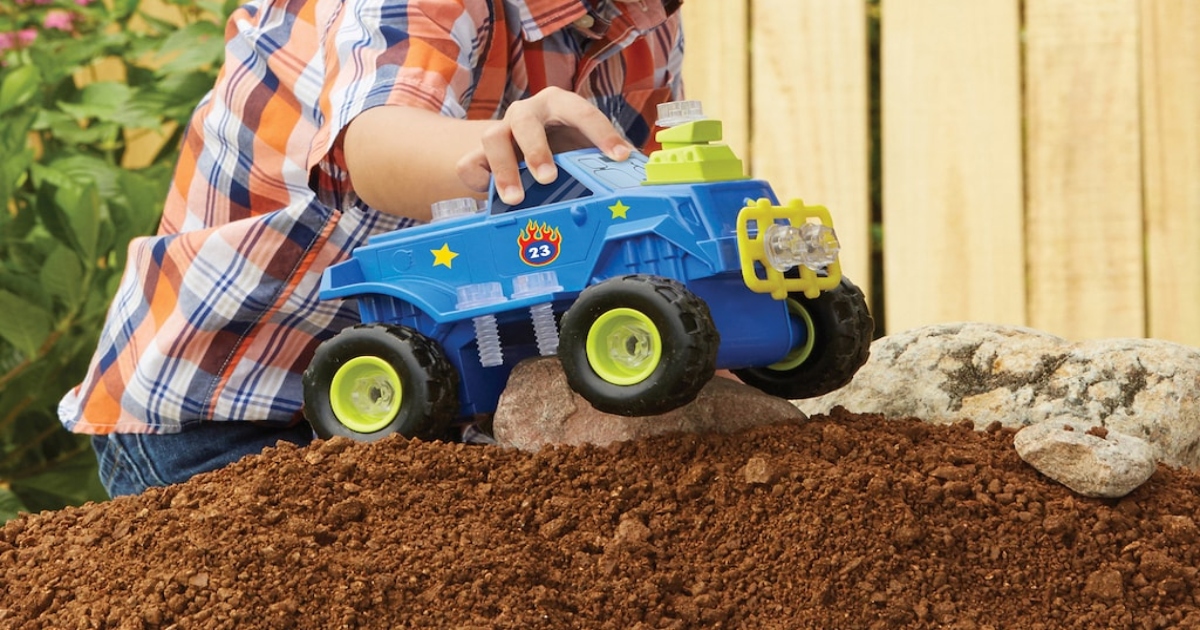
(539, 243)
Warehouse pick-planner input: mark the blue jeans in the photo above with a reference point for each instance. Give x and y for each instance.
(131, 462)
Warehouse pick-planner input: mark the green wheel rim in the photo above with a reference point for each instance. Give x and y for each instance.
(365, 394)
(799, 354)
(623, 346)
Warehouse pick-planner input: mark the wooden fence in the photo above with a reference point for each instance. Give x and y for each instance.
(1035, 162)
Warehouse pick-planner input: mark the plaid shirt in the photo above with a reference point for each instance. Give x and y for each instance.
(217, 315)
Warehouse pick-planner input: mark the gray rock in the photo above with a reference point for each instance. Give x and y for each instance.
(1018, 377)
(538, 408)
(1092, 461)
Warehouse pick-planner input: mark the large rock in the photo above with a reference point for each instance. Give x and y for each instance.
(538, 408)
(987, 373)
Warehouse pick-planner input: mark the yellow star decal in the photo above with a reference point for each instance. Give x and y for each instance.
(619, 209)
(443, 256)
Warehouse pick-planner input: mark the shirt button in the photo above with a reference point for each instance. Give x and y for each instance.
(584, 22)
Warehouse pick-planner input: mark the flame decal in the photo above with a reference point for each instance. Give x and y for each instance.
(539, 244)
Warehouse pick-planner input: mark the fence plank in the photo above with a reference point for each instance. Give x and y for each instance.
(810, 128)
(1171, 149)
(1084, 223)
(952, 179)
(716, 63)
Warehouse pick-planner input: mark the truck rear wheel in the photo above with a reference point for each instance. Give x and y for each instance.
(638, 345)
(837, 345)
(373, 380)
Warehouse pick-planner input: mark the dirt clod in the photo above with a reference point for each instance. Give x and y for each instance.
(843, 521)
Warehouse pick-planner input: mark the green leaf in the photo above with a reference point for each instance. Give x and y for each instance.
(179, 93)
(24, 325)
(138, 212)
(16, 161)
(214, 7)
(14, 133)
(105, 95)
(26, 256)
(55, 64)
(156, 25)
(123, 9)
(18, 87)
(82, 207)
(72, 480)
(47, 119)
(71, 132)
(140, 113)
(26, 286)
(10, 505)
(62, 275)
(52, 215)
(9, 358)
(83, 170)
(12, 173)
(99, 100)
(195, 46)
(69, 200)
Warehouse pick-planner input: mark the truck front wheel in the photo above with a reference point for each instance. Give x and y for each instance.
(839, 328)
(638, 345)
(373, 380)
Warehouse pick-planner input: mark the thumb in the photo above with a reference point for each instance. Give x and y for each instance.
(473, 171)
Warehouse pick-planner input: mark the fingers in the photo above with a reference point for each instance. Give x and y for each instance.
(558, 108)
(501, 156)
(531, 137)
(530, 130)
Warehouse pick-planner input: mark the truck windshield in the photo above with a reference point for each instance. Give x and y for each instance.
(565, 188)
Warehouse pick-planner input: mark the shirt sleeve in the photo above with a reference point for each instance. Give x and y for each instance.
(419, 53)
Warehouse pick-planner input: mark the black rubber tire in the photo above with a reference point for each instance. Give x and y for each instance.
(429, 383)
(843, 328)
(686, 329)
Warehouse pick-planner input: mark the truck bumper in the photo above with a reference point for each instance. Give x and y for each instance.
(758, 269)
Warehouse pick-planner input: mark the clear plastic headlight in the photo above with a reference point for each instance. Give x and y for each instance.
(813, 245)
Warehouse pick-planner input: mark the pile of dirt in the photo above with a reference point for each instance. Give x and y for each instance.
(843, 521)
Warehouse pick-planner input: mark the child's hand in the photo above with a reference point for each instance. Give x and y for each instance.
(550, 121)
(404, 158)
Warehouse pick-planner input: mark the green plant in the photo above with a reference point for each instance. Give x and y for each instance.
(82, 84)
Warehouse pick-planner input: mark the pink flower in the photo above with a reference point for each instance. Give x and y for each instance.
(17, 39)
(58, 19)
(83, 3)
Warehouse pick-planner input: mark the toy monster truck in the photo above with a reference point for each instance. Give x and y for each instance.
(643, 276)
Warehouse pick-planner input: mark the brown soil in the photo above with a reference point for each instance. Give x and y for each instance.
(840, 522)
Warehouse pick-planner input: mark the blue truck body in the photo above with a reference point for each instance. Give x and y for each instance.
(597, 221)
